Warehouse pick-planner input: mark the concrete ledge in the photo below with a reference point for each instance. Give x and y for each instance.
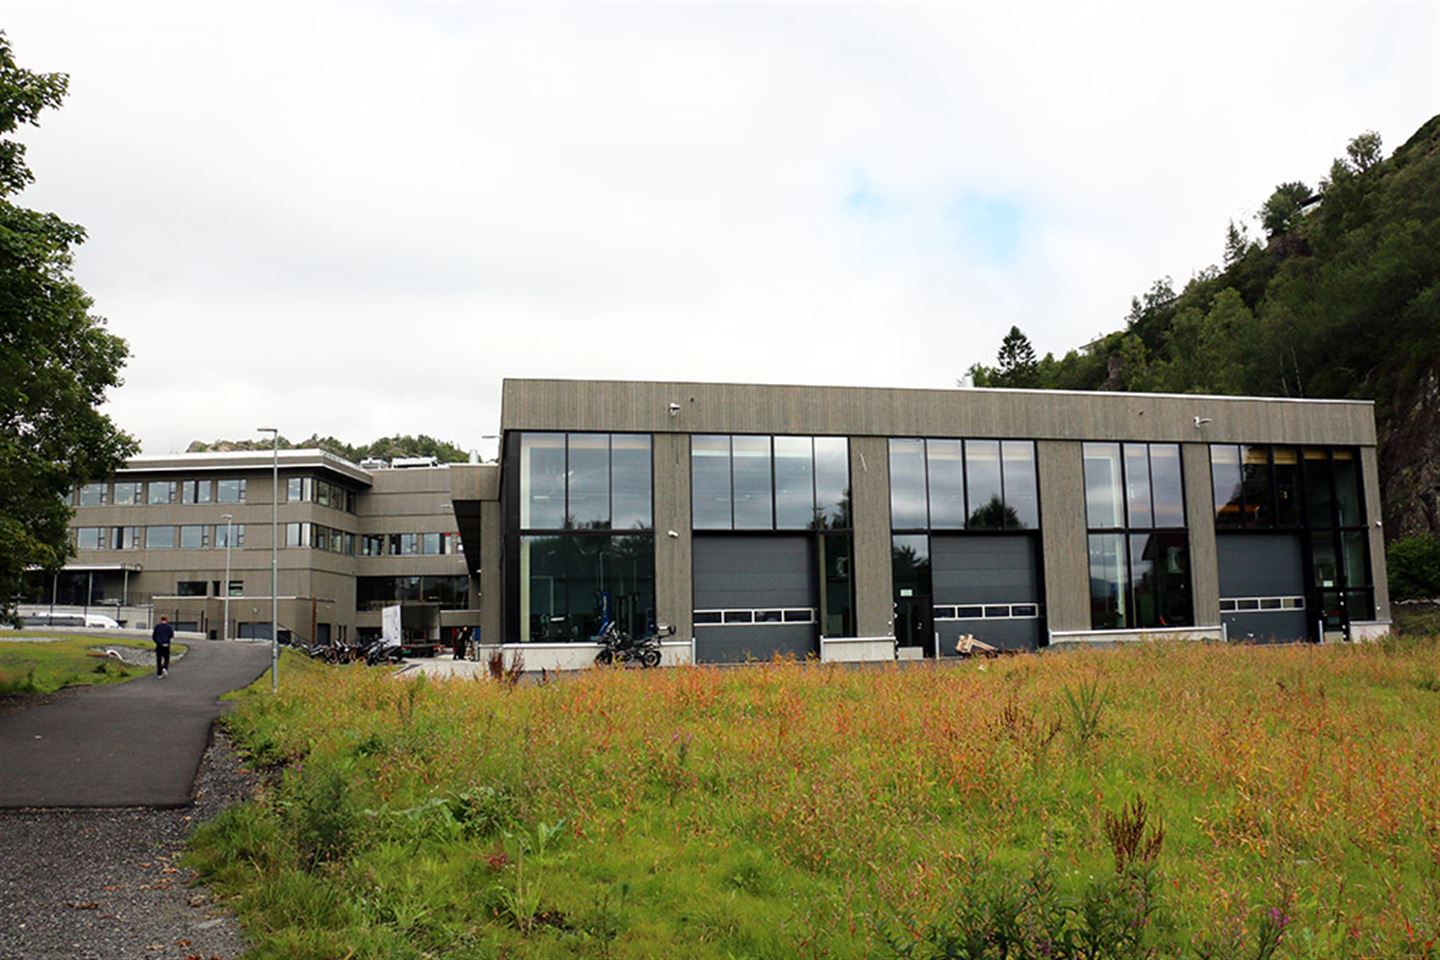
(556, 657)
(1366, 631)
(857, 649)
(1090, 637)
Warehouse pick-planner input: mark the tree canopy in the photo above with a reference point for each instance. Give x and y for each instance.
(386, 448)
(57, 360)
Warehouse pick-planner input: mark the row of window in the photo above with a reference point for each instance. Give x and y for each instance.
(769, 483)
(449, 592)
(963, 485)
(317, 536)
(204, 588)
(323, 492)
(156, 492)
(410, 544)
(585, 481)
(190, 536)
(1275, 487)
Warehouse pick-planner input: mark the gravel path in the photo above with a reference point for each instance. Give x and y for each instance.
(106, 885)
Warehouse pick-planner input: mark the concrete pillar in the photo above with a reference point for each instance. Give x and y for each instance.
(870, 506)
(492, 587)
(1200, 519)
(1370, 477)
(674, 586)
(1062, 532)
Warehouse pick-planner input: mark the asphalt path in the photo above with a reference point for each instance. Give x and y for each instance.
(134, 744)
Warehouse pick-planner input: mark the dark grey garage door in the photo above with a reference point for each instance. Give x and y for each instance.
(754, 597)
(1262, 586)
(988, 587)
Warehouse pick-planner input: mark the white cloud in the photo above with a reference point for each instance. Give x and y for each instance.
(356, 219)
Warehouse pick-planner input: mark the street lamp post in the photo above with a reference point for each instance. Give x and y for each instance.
(274, 558)
(229, 537)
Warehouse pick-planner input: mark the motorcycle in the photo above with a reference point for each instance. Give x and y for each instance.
(617, 646)
(380, 651)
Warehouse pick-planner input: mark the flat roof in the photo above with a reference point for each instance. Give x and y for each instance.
(230, 460)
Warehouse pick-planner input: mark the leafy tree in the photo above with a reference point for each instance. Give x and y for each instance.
(1364, 150)
(1278, 214)
(56, 359)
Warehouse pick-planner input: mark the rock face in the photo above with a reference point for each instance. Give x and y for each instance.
(1409, 458)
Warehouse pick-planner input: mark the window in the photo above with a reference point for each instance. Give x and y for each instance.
(236, 535)
(430, 544)
(159, 538)
(939, 484)
(448, 592)
(89, 538)
(195, 491)
(295, 489)
(160, 491)
(372, 545)
(92, 495)
(125, 538)
(194, 536)
(570, 583)
(585, 481)
(297, 534)
(190, 588)
(1138, 546)
(769, 483)
(230, 491)
(127, 492)
(237, 588)
(1316, 491)
(404, 544)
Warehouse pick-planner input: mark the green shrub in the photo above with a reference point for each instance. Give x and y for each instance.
(1414, 567)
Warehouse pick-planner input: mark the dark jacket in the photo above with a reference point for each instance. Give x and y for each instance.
(162, 634)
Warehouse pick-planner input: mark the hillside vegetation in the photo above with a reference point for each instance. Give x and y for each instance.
(1339, 298)
(386, 448)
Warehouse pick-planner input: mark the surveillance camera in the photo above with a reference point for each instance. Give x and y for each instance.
(672, 534)
(674, 409)
(1201, 421)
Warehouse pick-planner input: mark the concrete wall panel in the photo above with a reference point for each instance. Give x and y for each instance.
(1062, 531)
(870, 502)
(1200, 518)
(673, 585)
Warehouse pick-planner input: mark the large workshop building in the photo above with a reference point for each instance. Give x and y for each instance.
(769, 519)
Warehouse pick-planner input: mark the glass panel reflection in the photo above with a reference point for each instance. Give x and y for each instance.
(1259, 498)
(832, 481)
(710, 481)
(750, 467)
(1108, 580)
(946, 473)
(1347, 488)
(794, 483)
(588, 474)
(1104, 506)
(1137, 485)
(630, 482)
(1021, 487)
(1167, 487)
(982, 485)
(542, 481)
(1287, 486)
(907, 485)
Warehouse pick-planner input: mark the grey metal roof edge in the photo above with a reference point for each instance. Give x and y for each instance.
(247, 459)
(1015, 390)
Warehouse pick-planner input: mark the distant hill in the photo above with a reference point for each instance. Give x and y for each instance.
(386, 448)
(1338, 296)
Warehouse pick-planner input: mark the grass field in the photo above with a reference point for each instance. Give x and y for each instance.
(1161, 800)
(30, 664)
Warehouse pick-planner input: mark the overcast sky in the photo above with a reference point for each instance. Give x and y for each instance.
(356, 219)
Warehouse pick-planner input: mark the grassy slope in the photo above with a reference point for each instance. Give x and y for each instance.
(47, 667)
(794, 809)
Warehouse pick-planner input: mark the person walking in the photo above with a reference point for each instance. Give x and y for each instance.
(162, 635)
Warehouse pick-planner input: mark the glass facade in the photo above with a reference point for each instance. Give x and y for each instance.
(1316, 492)
(583, 549)
(447, 592)
(963, 485)
(1139, 550)
(744, 482)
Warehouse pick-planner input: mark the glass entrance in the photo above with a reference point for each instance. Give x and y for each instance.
(914, 600)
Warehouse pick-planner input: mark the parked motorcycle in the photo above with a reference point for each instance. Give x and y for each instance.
(617, 646)
(380, 651)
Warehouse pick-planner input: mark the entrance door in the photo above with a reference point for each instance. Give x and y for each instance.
(915, 622)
